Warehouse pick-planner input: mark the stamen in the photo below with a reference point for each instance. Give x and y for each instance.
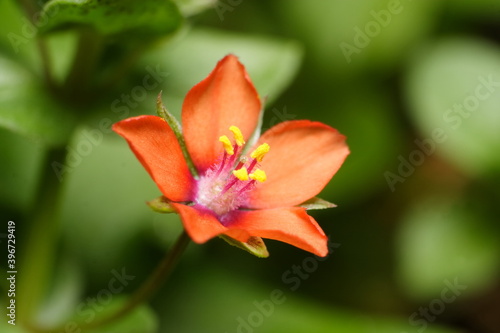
(260, 152)
(227, 144)
(240, 163)
(222, 164)
(252, 165)
(258, 175)
(238, 136)
(235, 156)
(241, 174)
(247, 186)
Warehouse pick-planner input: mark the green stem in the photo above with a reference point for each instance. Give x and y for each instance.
(121, 69)
(37, 260)
(78, 81)
(155, 280)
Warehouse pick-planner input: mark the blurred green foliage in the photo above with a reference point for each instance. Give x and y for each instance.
(414, 85)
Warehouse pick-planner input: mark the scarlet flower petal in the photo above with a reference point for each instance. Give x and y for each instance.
(156, 147)
(200, 223)
(290, 225)
(226, 97)
(303, 157)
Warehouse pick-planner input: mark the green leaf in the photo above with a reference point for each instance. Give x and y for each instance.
(193, 7)
(271, 62)
(255, 245)
(480, 9)
(373, 117)
(364, 34)
(454, 87)
(442, 240)
(26, 107)
(161, 205)
(317, 203)
(127, 19)
(18, 40)
(67, 286)
(252, 307)
(141, 320)
(5, 327)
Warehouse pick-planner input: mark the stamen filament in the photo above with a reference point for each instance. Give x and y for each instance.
(235, 155)
(224, 157)
(240, 163)
(244, 188)
(228, 186)
(252, 165)
(238, 175)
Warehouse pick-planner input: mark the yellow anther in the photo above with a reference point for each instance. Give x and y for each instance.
(258, 175)
(241, 174)
(260, 152)
(227, 144)
(238, 137)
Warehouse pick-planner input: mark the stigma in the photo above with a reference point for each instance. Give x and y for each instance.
(226, 185)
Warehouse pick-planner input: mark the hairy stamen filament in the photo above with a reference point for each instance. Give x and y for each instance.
(252, 165)
(235, 155)
(222, 164)
(247, 186)
(228, 186)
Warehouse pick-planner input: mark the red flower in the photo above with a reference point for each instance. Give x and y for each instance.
(238, 193)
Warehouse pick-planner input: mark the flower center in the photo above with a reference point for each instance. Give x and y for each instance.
(225, 186)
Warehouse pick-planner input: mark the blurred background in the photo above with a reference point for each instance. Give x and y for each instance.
(415, 239)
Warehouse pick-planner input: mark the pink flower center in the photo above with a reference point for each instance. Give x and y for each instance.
(225, 186)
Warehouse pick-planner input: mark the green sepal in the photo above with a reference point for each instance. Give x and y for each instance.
(254, 137)
(317, 203)
(255, 245)
(176, 127)
(161, 205)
